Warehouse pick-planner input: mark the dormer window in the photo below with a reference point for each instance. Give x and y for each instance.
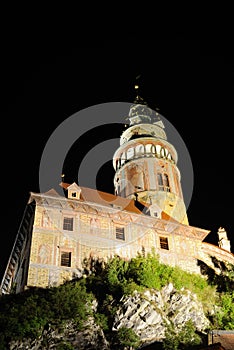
(155, 211)
(74, 191)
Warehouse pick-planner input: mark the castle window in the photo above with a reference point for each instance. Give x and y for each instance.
(130, 153)
(148, 148)
(123, 158)
(153, 149)
(68, 224)
(163, 152)
(164, 243)
(139, 150)
(166, 181)
(66, 259)
(163, 182)
(160, 181)
(119, 231)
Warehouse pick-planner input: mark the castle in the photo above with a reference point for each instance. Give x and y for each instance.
(147, 211)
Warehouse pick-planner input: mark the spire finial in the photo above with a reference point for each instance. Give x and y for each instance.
(138, 98)
(137, 83)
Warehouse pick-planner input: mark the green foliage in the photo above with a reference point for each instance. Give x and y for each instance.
(25, 315)
(64, 346)
(101, 320)
(224, 317)
(183, 339)
(145, 271)
(225, 280)
(70, 301)
(126, 338)
(116, 275)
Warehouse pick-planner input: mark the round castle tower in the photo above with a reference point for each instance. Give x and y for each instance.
(145, 165)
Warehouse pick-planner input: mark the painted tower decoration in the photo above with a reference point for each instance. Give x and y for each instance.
(147, 213)
(145, 164)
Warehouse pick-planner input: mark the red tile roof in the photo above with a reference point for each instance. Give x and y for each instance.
(223, 337)
(104, 198)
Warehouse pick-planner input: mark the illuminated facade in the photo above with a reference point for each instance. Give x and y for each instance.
(145, 165)
(147, 212)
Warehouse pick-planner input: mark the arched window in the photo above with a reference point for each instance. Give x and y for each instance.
(153, 149)
(158, 148)
(163, 152)
(130, 153)
(139, 150)
(169, 156)
(160, 181)
(123, 157)
(163, 182)
(148, 149)
(166, 183)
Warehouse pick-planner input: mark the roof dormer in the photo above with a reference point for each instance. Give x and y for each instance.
(73, 191)
(155, 210)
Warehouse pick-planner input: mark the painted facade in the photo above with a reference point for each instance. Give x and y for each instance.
(147, 213)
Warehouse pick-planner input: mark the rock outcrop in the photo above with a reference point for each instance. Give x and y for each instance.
(91, 338)
(147, 313)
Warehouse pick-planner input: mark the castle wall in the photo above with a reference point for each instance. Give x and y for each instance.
(102, 232)
(97, 233)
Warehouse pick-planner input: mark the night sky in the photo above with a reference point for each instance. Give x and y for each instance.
(45, 81)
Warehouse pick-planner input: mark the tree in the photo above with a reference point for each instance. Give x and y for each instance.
(126, 339)
(183, 339)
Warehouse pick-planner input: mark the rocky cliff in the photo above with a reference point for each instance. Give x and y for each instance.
(147, 313)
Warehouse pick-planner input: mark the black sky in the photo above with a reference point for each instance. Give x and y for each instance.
(45, 81)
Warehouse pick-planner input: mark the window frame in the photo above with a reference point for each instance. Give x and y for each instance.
(66, 258)
(163, 241)
(163, 182)
(68, 226)
(120, 233)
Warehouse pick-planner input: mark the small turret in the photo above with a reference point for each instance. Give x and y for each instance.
(223, 240)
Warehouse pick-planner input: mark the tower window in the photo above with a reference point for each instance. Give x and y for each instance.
(164, 243)
(166, 181)
(66, 259)
(68, 224)
(119, 231)
(163, 182)
(160, 181)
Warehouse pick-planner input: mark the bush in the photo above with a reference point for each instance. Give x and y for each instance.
(126, 337)
(26, 314)
(183, 339)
